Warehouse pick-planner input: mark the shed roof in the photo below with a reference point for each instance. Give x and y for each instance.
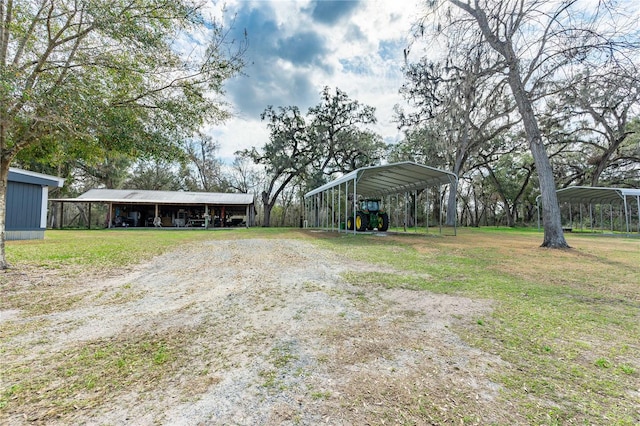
(136, 196)
(593, 194)
(26, 176)
(391, 179)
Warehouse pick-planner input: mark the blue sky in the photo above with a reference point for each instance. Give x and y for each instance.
(298, 47)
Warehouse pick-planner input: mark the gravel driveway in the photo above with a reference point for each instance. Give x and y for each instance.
(256, 331)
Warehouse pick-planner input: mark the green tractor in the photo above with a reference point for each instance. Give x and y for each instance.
(369, 216)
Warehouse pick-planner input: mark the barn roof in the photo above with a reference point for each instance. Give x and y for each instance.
(391, 179)
(136, 196)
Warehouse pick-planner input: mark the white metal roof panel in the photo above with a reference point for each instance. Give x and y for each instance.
(136, 196)
(593, 194)
(391, 179)
(34, 177)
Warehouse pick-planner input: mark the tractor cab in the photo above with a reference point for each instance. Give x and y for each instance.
(369, 216)
(370, 206)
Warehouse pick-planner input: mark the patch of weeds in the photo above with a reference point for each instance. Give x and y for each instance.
(311, 286)
(269, 377)
(83, 376)
(603, 363)
(627, 369)
(281, 356)
(386, 280)
(320, 395)
(48, 302)
(8, 394)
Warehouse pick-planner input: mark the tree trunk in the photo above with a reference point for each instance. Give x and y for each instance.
(4, 180)
(266, 222)
(552, 224)
(553, 235)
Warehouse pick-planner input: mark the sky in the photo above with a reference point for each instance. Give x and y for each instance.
(296, 48)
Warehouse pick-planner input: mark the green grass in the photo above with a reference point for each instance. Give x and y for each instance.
(565, 322)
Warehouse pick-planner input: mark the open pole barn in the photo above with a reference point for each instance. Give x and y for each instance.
(27, 195)
(336, 204)
(167, 209)
(605, 210)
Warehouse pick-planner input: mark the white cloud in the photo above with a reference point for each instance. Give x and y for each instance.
(292, 57)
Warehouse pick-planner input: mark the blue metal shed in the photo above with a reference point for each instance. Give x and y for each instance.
(27, 196)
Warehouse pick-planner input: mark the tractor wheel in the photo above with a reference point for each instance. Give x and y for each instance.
(361, 222)
(383, 222)
(350, 224)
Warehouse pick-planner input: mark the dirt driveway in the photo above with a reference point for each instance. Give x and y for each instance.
(257, 331)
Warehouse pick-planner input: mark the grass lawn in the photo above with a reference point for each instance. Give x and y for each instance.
(566, 323)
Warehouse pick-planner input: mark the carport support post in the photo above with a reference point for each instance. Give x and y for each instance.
(355, 206)
(415, 210)
(626, 213)
(638, 201)
(611, 216)
(440, 209)
(405, 211)
(110, 215)
(580, 206)
(346, 206)
(570, 217)
(339, 205)
(333, 210)
(89, 224)
(427, 212)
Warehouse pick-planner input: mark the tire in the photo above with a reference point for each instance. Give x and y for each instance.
(350, 224)
(362, 221)
(383, 222)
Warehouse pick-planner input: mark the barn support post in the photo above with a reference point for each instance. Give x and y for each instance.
(61, 215)
(89, 224)
(591, 217)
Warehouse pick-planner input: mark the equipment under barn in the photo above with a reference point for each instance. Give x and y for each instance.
(139, 208)
(600, 209)
(333, 206)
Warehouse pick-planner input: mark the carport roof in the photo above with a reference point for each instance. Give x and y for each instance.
(391, 179)
(595, 195)
(136, 196)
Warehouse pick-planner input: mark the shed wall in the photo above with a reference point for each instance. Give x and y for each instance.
(24, 207)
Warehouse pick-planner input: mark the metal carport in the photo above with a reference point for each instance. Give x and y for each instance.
(601, 196)
(373, 181)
